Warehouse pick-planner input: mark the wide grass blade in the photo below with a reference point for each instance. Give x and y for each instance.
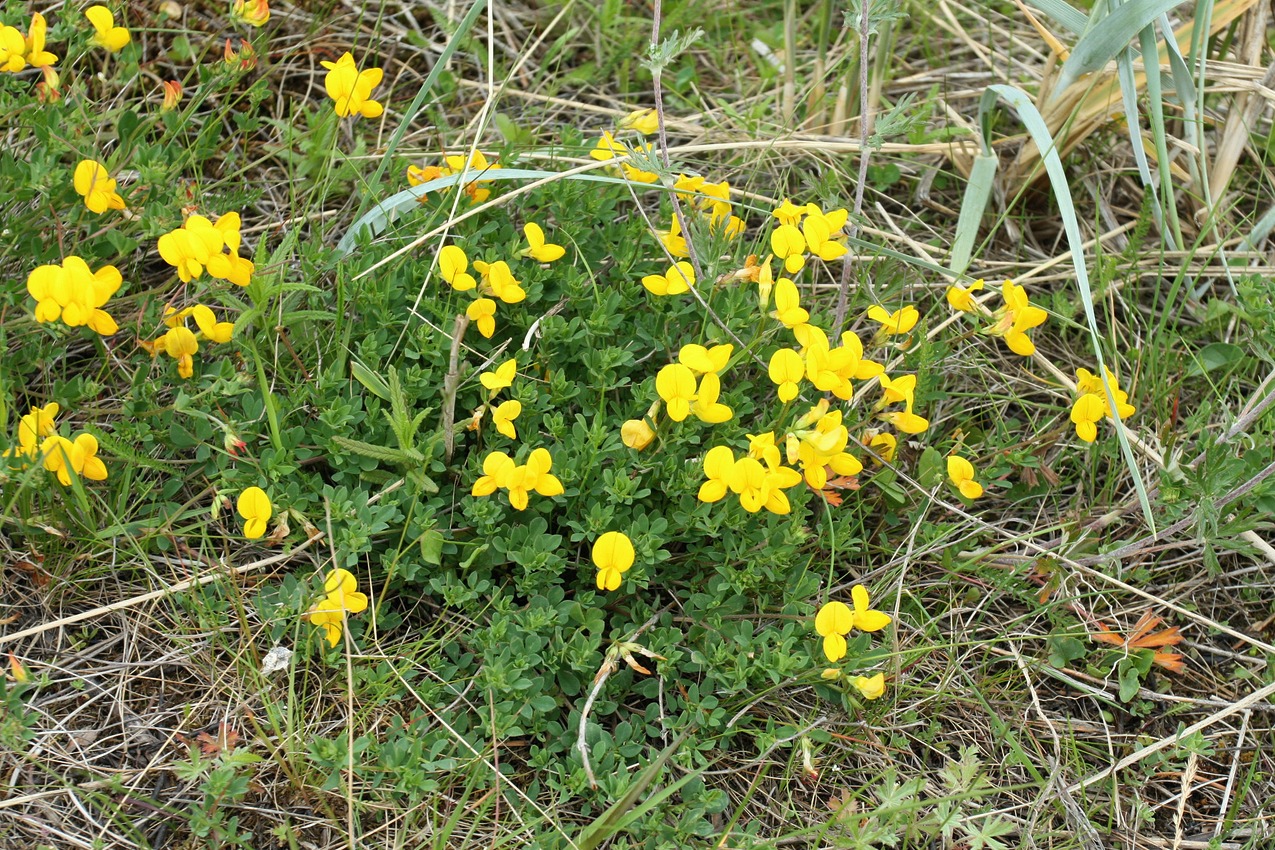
(1100, 44)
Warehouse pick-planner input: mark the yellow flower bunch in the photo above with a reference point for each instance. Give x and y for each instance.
(17, 51)
(1091, 405)
(759, 481)
(254, 13)
(33, 427)
(608, 149)
(893, 391)
(500, 472)
(835, 620)
(341, 596)
(197, 245)
(495, 279)
(75, 294)
(38, 439)
(817, 443)
(807, 229)
(181, 343)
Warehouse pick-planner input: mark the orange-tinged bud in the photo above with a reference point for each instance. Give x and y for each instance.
(172, 95)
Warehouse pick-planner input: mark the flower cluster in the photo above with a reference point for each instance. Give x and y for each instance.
(495, 282)
(455, 164)
(341, 596)
(500, 472)
(75, 294)
(38, 439)
(1092, 406)
(17, 50)
(683, 395)
(807, 229)
(1017, 316)
(350, 88)
(181, 343)
(834, 622)
(758, 478)
(817, 444)
(503, 414)
(197, 245)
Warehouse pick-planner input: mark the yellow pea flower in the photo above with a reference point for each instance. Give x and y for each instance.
(105, 34)
(872, 687)
(504, 415)
(497, 468)
(963, 299)
(34, 427)
(94, 183)
(351, 89)
(676, 385)
(884, 444)
(538, 249)
(818, 232)
(608, 148)
(189, 248)
(499, 280)
(1086, 413)
(644, 121)
(452, 265)
(719, 462)
(78, 456)
(961, 473)
(865, 618)
(254, 13)
(786, 369)
(637, 434)
(833, 622)
(788, 309)
(254, 506)
(706, 407)
(673, 240)
(213, 330)
(533, 476)
(899, 322)
(13, 50)
(1015, 318)
(789, 213)
(905, 421)
(788, 244)
(36, 55)
(477, 164)
(894, 390)
(74, 293)
(500, 377)
(341, 597)
(613, 555)
(482, 311)
(701, 360)
(172, 95)
(679, 278)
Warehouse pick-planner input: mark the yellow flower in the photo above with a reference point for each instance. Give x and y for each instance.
(833, 622)
(504, 415)
(788, 244)
(254, 506)
(229, 266)
(885, 444)
(871, 687)
(351, 88)
(341, 596)
(613, 555)
(35, 53)
(74, 293)
(676, 385)
(899, 322)
(13, 50)
(673, 240)
(865, 618)
(961, 472)
(213, 330)
(706, 406)
(719, 462)
(1016, 318)
(818, 231)
(180, 343)
(254, 13)
(787, 369)
(701, 360)
(500, 377)
(497, 467)
(499, 280)
(788, 307)
(832, 674)
(644, 121)
(79, 456)
(608, 148)
(533, 476)
(789, 213)
(963, 299)
(539, 250)
(477, 164)
(418, 175)
(679, 278)
(105, 34)
(637, 434)
(452, 265)
(34, 427)
(94, 183)
(906, 421)
(482, 311)
(190, 247)
(1086, 413)
(759, 487)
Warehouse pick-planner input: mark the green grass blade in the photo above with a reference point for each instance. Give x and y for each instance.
(1100, 45)
(1064, 13)
(1040, 134)
(977, 192)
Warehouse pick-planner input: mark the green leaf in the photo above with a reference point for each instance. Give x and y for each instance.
(1064, 649)
(1215, 355)
(373, 382)
(1100, 44)
(931, 468)
(432, 547)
